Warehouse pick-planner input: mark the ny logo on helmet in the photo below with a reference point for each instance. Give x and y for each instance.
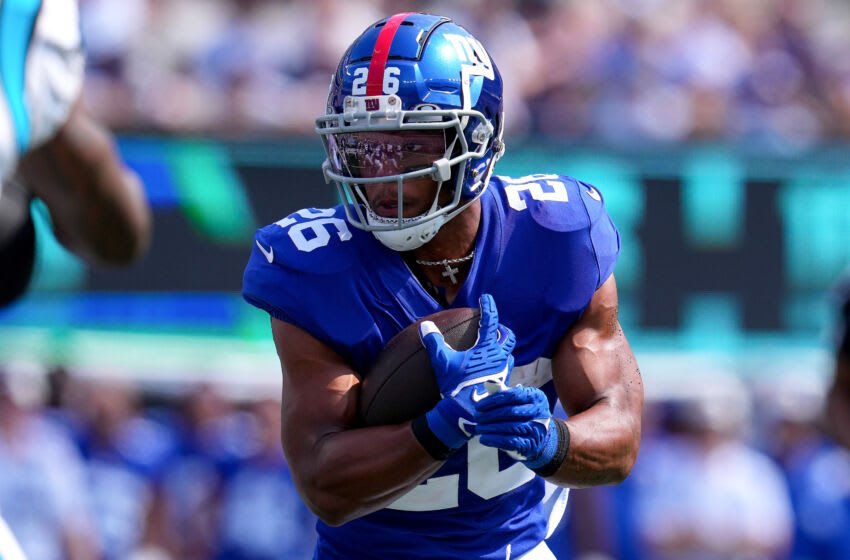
(472, 54)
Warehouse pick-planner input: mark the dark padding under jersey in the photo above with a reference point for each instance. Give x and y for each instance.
(17, 257)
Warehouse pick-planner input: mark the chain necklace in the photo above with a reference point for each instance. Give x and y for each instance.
(450, 271)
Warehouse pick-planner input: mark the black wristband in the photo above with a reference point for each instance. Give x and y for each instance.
(563, 435)
(427, 439)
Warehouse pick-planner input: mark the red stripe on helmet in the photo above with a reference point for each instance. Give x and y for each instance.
(375, 81)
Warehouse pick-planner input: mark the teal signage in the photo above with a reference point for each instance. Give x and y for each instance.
(716, 242)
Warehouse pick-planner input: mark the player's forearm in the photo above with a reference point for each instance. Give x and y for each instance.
(599, 383)
(351, 473)
(603, 448)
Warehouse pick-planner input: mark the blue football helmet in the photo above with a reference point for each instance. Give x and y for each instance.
(415, 96)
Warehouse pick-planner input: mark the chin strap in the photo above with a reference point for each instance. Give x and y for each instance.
(412, 237)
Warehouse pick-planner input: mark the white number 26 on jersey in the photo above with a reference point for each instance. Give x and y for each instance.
(538, 187)
(485, 479)
(318, 223)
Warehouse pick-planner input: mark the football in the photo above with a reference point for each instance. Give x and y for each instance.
(401, 384)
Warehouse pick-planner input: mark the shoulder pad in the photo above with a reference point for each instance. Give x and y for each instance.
(294, 261)
(313, 240)
(566, 216)
(555, 202)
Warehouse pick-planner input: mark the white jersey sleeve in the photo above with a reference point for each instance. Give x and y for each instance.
(41, 71)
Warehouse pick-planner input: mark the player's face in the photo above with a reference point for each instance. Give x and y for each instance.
(381, 154)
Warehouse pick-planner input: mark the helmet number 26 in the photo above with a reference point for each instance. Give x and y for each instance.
(390, 84)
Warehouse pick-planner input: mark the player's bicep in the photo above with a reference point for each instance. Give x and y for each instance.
(320, 389)
(594, 361)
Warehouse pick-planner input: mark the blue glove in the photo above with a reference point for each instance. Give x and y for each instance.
(518, 421)
(461, 376)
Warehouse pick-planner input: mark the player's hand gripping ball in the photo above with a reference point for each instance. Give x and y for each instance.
(401, 385)
(518, 421)
(466, 377)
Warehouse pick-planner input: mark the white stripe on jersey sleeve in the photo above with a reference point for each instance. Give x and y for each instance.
(8, 143)
(55, 67)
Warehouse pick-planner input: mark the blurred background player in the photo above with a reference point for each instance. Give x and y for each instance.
(44, 492)
(684, 496)
(51, 149)
(412, 132)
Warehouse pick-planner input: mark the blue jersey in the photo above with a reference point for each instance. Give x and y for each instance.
(545, 244)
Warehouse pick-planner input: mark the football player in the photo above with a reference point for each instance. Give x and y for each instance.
(51, 149)
(412, 132)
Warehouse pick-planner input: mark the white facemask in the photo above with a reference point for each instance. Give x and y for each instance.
(406, 239)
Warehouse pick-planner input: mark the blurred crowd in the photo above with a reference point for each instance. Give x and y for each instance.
(774, 72)
(96, 468)
(101, 469)
(726, 471)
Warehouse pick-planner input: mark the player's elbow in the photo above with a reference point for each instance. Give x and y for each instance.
(611, 470)
(612, 463)
(330, 508)
(333, 518)
(327, 500)
(620, 472)
(627, 457)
